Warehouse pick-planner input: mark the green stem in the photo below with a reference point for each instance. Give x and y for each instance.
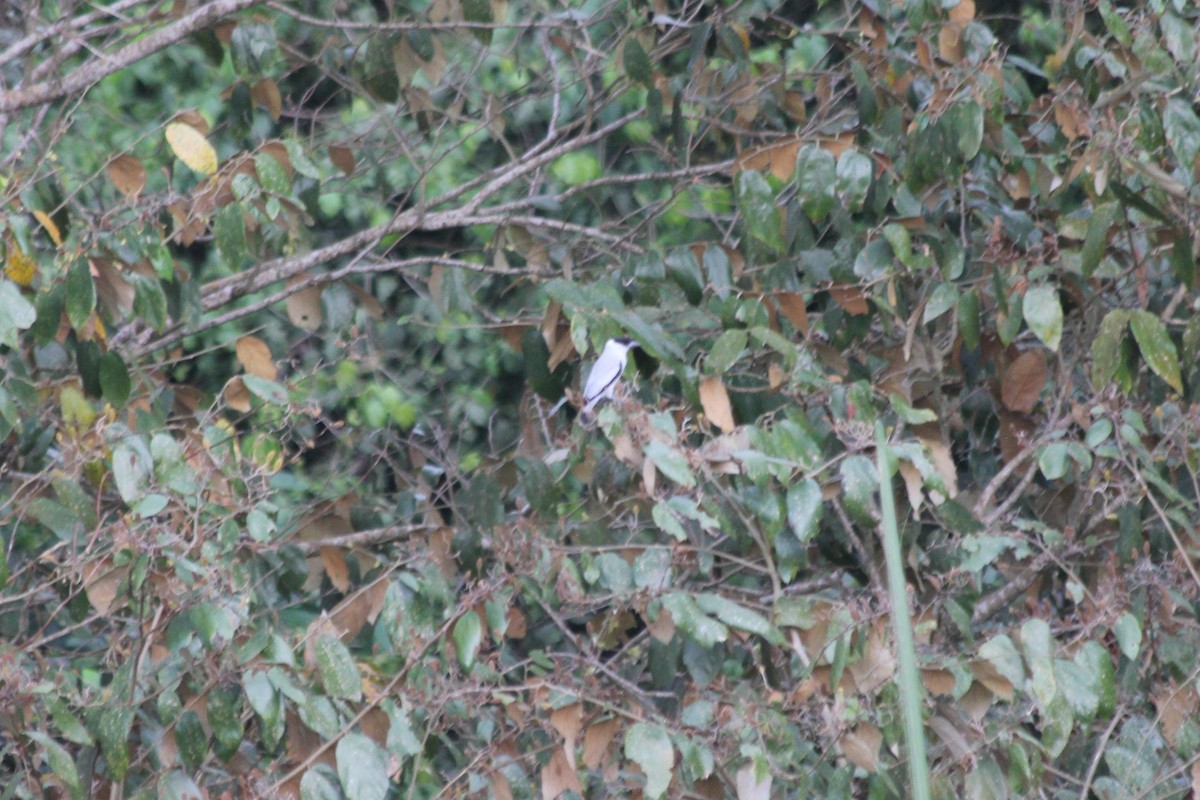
(911, 700)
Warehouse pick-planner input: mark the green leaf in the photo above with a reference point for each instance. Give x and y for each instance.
(178, 785)
(805, 507)
(966, 122)
(112, 732)
(81, 294)
(16, 313)
(339, 673)
(726, 350)
(855, 171)
(362, 768)
(225, 719)
(637, 63)
(717, 268)
(599, 296)
(615, 573)
(649, 335)
(874, 261)
(250, 47)
(944, 298)
(268, 391)
(668, 521)
(738, 616)
(61, 764)
(1182, 129)
(816, 178)
(1044, 315)
(402, 740)
(685, 271)
(671, 462)
(318, 713)
(132, 468)
(1156, 347)
(191, 739)
(1003, 655)
(860, 481)
(1106, 347)
(759, 212)
(316, 785)
(1038, 646)
(271, 176)
(214, 624)
(1096, 239)
(229, 235)
(899, 239)
(1053, 460)
(649, 746)
(695, 624)
(114, 379)
(267, 703)
(1080, 688)
(1129, 635)
(468, 634)
(478, 11)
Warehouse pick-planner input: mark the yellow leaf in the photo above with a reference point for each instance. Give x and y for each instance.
(20, 268)
(190, 146)
(48, 224)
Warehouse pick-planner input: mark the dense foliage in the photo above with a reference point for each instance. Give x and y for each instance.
(291, 290)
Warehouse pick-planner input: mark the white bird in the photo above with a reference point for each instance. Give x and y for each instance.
(605, 374)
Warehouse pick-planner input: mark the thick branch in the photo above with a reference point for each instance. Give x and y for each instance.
(91, 72)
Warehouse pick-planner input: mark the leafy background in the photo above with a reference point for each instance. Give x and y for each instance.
(290, 291)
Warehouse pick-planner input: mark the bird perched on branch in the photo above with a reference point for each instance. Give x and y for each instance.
(606, 374)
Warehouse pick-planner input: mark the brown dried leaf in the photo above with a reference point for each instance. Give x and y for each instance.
(850, 297)
(237, 396)
(774, 375)
(1175, 706)
(365, 299)
(716, 404)
(517, 627)
(304, 307)
(861, 746)
(1016, 433)
(255, 357)
(568, 721)
(1024, 380)
(953, 738)
(663, 626)
(793, 306)
(596, 741)
(128, 174)
(558, 776)
(335, 568)
(877, 665)
(266, 94)
(278, 151)
(986, 674)
(342, 158)
(358, 609)
(192, 118)
(939, 681)
(101, 582)
(964, 12)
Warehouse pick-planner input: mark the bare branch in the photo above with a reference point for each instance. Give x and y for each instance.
(91, 72)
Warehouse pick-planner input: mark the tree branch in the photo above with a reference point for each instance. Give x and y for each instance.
(87, 75)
